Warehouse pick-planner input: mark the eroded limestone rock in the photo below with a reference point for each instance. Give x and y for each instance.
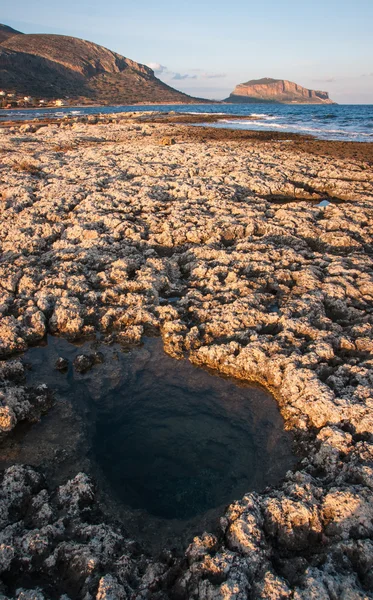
(221, 248)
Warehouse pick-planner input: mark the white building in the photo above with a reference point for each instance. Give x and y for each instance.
(60, 103)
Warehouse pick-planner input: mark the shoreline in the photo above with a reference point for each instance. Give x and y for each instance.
(188, 129)
(103, 221)
(204, 120)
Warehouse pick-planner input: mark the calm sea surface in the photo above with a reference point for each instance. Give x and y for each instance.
(327, 122)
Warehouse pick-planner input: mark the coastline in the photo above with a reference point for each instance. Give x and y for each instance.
(198, 101)
(99, 219)
(73, 106)
(201, 132)
(342, 123)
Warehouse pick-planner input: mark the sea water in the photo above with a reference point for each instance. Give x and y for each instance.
(327, 122)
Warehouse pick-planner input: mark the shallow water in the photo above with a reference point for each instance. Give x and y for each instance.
(170, 444)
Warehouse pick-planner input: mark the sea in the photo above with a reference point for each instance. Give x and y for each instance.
(327, 122)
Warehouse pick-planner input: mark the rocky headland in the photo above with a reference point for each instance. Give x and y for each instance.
(51, 67)
(277, 90)
(102, 220)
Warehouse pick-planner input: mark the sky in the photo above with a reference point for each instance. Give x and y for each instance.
(205, 48)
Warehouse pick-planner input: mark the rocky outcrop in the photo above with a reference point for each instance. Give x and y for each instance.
(18, 402)
(61, 540)
(277, 90)
(55, 66)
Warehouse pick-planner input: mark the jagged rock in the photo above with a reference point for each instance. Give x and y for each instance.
(109, 589)
(67, 317)
(22, 404)
(83, 362)
(167, 141)
(61, 364)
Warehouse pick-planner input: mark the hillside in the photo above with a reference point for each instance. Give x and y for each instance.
(58, 66)
(276, 90)
(7, 32)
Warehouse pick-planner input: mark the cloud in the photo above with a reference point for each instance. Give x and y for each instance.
(180, 76)
(165, 71)
(213, 75)
(325, 80)
(176, 76)
(157, 67)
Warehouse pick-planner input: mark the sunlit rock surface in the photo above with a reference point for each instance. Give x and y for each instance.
(223, 249)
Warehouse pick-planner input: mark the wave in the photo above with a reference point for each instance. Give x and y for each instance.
(191, 112)
(325, 132)
(266, 117)
(251, 121)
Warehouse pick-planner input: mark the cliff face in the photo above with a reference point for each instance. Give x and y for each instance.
(55, 66)
(277, 90)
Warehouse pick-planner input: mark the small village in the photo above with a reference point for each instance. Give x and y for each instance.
(13, 100)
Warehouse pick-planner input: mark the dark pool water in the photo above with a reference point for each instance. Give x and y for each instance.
(170, 444)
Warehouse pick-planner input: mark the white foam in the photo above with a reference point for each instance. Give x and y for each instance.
(296, 128)
(251, 122)
(265, 117)
(190, 112)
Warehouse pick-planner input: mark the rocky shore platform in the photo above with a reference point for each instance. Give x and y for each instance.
(264, 244)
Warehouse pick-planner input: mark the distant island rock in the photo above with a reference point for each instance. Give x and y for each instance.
(276, 90)
(58, 66)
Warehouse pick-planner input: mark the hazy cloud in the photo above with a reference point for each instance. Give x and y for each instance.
(213, 75)
(157, 68)
(325, 80)
(180, 76)
(193, 74)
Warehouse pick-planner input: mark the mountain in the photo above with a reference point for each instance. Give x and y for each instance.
(276, 90)
(6, 32)
(58, 66)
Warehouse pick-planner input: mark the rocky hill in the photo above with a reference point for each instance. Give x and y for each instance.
(276, 90)
(58, 66)
(6, 32)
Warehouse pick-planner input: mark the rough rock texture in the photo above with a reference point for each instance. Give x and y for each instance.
(277, 90)
(18, 402)
(61, 542)
(224, 250)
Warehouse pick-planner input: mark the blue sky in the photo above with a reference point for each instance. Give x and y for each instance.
(207, 47)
